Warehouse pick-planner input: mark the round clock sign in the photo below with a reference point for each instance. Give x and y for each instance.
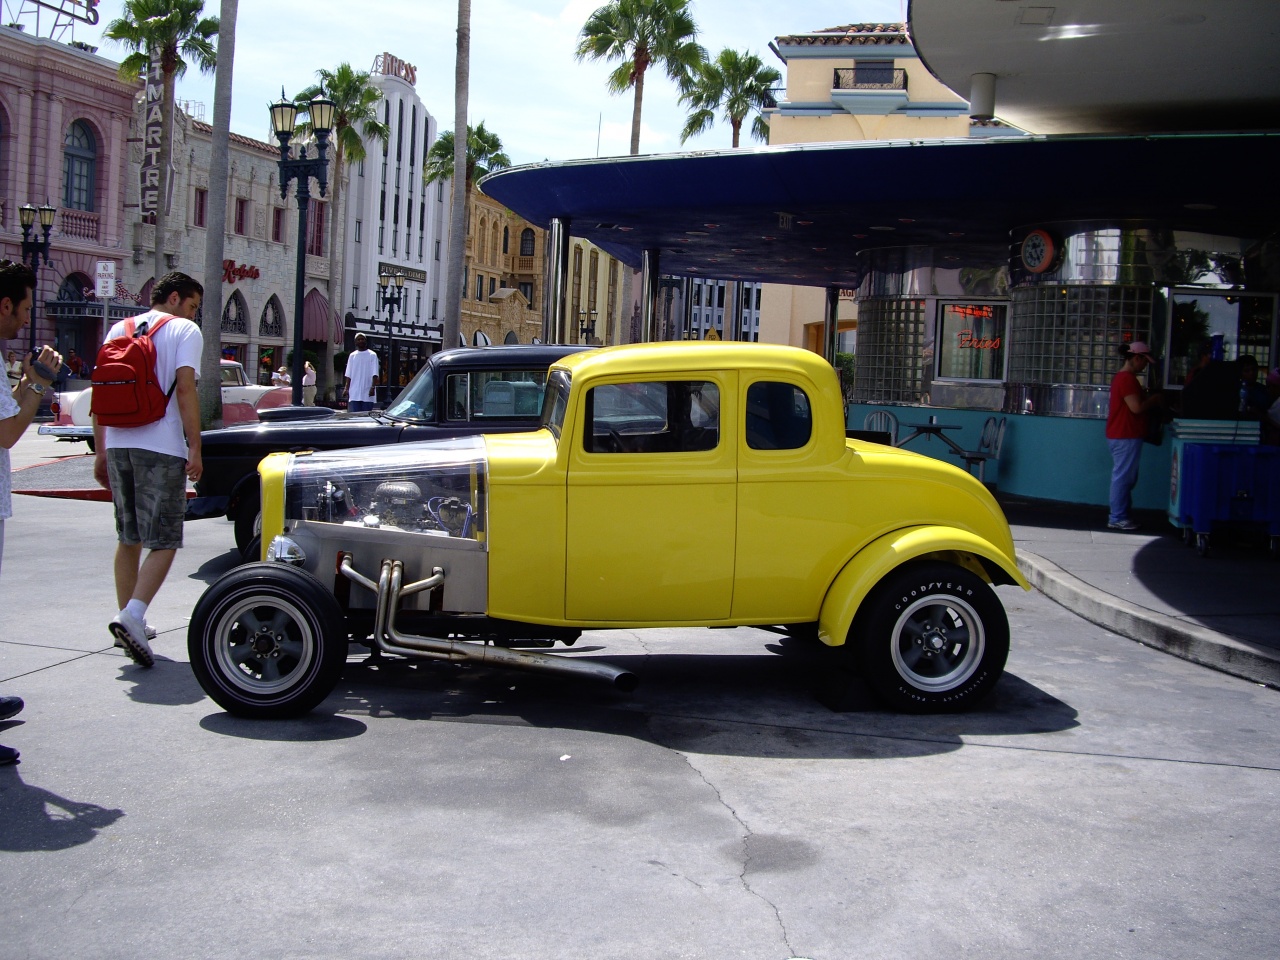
(1038, 251)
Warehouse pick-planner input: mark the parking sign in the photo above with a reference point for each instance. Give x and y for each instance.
(104, 279)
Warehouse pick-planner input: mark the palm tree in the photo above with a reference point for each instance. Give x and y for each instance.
(174, 32)
(458, 205)
(642, 34)
(735, 85)
(215, 236)
(355, 119)
(483, 155)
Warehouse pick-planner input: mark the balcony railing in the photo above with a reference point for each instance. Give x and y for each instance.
(869, 78)
(81, 224)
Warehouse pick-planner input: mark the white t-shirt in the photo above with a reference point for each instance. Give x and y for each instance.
(362, 367)
(178, 344)
(8, 408)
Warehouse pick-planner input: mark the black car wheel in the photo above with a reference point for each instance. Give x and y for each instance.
(931, 637)
(267, 640)
(248, 525)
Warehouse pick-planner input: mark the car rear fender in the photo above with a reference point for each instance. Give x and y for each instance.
(244, 493)
(871, 564)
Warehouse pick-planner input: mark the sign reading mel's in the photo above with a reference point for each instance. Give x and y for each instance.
(395, 67)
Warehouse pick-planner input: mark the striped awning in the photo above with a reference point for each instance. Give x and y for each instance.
(318, 321)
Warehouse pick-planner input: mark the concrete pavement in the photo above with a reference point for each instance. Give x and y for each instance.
(1109, 801)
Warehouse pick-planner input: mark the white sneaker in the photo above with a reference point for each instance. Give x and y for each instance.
(131, 635)
(148, 629)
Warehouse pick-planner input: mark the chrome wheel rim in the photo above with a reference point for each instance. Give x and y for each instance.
(938, 642)
(264, 645)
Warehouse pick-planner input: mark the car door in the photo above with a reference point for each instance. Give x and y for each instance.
(650, 503)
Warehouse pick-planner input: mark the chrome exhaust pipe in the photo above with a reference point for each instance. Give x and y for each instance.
(390, 588)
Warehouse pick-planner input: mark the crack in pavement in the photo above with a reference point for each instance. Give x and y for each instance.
(747, 834)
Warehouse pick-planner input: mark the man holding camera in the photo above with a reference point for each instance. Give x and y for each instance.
(18, 408)
(146, 467)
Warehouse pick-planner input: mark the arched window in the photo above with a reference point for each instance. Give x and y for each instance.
(494, 258)
(76, 287)
(79, 163)
(233, 319)
(506, 240)
(526, 242)
(272, 323)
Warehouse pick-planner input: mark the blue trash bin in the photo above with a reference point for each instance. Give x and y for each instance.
(1225, 483)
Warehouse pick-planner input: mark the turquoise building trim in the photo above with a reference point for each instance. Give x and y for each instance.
(1043, 458)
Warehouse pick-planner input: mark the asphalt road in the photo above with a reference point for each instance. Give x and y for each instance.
(748, 800)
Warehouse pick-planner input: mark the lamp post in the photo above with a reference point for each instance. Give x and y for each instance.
(284, 115)
(391, 296)
(586, 325)
(34, 250)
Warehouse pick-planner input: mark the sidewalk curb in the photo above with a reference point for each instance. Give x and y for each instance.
(1157, 630)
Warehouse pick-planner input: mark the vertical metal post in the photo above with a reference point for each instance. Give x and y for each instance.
(648, 293)
(555, 323)
(299, 282)
(829, 328)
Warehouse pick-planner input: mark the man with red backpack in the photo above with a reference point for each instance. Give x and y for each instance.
(144, 405)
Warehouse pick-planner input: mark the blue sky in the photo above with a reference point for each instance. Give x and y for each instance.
(525, 84)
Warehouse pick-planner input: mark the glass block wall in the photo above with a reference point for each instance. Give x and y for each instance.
(891, 351)
(1073, 334)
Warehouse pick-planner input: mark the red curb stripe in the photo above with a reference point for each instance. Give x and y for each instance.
(98, 495)
(45, 463)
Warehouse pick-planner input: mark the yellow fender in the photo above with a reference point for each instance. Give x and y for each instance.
(878, 558)
(271, 473)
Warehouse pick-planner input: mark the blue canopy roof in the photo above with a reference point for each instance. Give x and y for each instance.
(799, 214)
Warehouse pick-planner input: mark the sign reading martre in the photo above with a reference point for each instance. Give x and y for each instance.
(150, 173)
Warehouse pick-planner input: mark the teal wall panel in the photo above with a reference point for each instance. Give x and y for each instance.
(1045, 458)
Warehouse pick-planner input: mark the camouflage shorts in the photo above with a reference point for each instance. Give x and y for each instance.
(149, 491)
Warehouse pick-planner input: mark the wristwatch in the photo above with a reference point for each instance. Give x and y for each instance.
(37, 388)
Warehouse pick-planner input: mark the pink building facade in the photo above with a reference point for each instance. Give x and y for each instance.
(64, 127)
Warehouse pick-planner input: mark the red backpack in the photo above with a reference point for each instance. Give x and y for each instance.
(126, 391)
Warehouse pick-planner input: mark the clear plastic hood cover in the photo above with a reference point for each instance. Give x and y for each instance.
(435, 487)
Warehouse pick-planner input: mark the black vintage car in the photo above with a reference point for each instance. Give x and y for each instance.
(461, 392)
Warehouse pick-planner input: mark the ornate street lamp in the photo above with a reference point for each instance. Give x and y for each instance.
(284, 115)
(34, 250)
(586, 325)
(390, 298)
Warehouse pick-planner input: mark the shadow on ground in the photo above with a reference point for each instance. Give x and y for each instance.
(37, 819)
(790, 701)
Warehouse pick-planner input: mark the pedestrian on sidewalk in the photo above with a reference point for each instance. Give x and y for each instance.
(146, 468)
(361, 374)
(1126, 427)
(18, 406)
(308, 385)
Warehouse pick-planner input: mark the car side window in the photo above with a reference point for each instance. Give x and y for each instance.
(495, 395)
(661, 416)
(778, 416)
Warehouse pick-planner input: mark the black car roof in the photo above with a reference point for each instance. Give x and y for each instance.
(534, 356)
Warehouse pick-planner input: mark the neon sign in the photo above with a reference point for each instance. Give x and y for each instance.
(970, 342)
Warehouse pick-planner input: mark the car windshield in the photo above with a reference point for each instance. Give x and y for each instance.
(417, 401)
(556, 402)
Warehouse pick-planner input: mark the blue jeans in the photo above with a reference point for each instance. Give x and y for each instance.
(1125, 455)
(359, 406)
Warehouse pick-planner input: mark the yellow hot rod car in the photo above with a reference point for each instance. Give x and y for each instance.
(673, 484)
